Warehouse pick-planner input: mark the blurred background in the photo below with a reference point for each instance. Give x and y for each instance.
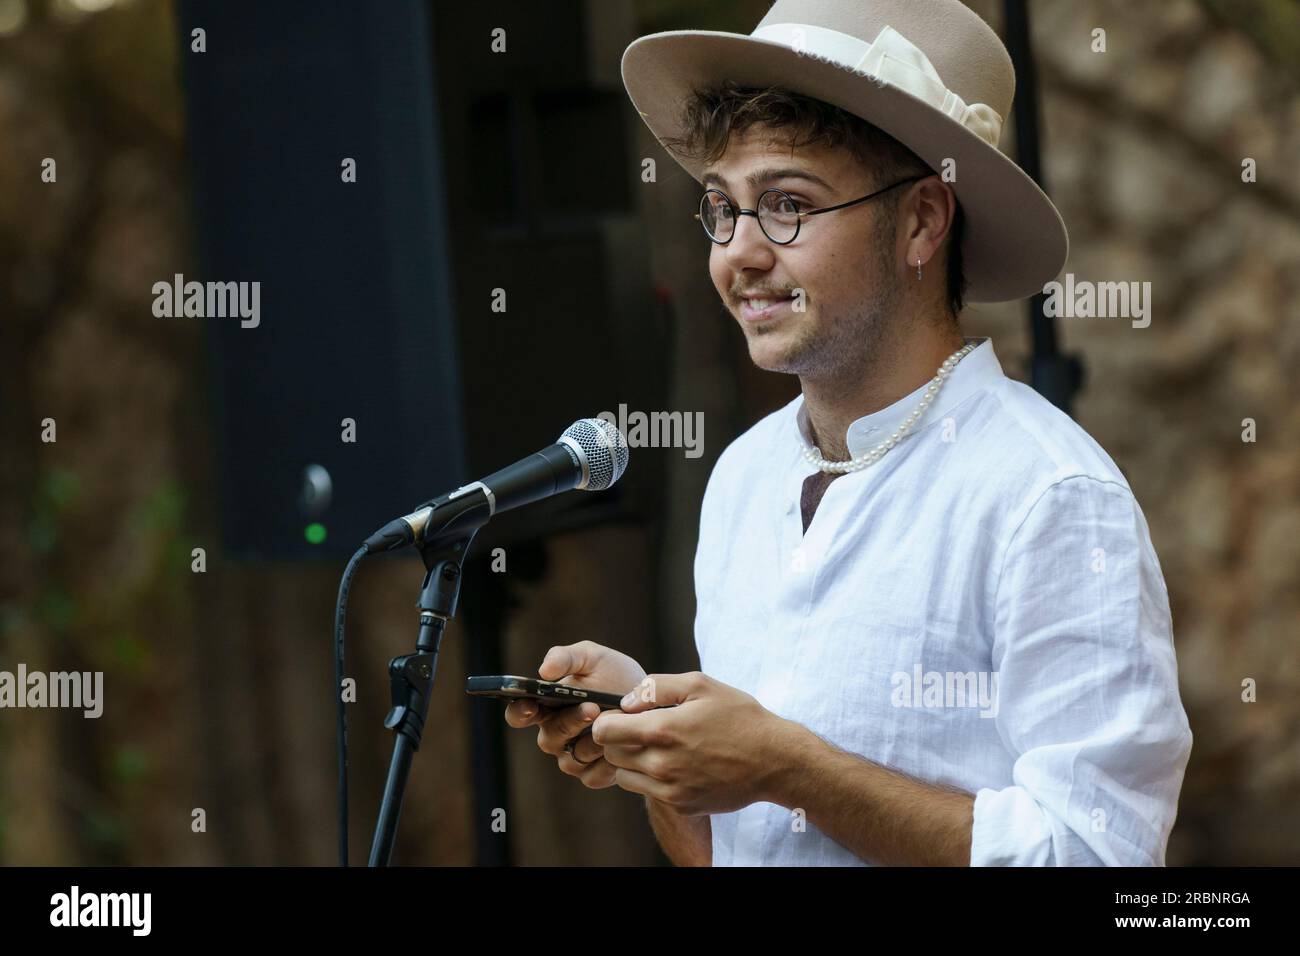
(483, 172)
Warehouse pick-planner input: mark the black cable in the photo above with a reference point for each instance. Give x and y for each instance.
(340, 612)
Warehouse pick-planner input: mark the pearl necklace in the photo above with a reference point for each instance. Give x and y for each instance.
(874, 455)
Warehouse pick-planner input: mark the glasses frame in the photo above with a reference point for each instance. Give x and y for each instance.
(801, 215)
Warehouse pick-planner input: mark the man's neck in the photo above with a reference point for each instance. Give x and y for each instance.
(895, 370)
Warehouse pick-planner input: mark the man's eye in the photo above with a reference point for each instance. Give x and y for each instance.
(785, 203)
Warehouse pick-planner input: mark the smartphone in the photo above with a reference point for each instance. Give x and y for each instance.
(545, 692)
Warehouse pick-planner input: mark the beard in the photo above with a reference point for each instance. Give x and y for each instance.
(852, 336)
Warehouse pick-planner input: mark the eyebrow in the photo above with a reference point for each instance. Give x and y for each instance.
(760, 176)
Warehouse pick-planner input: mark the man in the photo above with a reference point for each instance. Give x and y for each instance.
(931, 623)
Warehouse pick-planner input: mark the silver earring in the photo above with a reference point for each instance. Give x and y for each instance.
(918, 267)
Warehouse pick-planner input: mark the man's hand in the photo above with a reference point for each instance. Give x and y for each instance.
(589, 665)
(694, 743)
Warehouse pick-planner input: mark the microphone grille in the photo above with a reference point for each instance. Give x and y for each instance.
(605, 449)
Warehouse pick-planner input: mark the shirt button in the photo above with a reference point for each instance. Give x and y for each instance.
(789, 506)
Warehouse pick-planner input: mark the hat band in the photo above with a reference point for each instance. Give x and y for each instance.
(893, 59)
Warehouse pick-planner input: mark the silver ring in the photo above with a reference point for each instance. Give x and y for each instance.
(568, 749)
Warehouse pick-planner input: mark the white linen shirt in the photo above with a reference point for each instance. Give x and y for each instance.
(996, 547)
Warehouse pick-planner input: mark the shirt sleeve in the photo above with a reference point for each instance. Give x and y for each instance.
(1087, 689)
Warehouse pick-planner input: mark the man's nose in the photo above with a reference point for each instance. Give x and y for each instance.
(748, 247)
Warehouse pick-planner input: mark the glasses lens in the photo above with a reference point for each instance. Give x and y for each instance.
(778, 214)
(716, 215)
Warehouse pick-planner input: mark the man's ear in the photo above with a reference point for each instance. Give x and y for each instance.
(933, 209)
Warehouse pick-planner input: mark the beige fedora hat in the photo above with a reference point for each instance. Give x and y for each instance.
(930, 73)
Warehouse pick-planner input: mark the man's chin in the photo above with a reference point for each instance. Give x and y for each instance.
(772, 356)
(776, 347)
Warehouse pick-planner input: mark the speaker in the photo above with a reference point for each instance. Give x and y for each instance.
(392, 175)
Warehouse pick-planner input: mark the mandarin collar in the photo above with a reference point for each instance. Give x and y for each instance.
(979, 369)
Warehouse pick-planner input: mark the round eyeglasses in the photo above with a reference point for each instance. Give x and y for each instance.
(777, 212)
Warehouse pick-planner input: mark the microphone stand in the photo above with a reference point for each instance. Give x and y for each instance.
(411, 676)
(1054, 375)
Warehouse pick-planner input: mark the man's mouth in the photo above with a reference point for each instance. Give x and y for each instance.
(759, 309)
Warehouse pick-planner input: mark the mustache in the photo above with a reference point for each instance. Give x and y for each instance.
(764, 293)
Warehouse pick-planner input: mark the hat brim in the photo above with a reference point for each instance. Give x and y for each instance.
(1015, 241)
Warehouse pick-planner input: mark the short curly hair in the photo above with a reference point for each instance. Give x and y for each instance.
(711, 115)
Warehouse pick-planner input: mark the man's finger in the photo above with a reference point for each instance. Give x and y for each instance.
(636, 782)
(628, 729)
(561, 661)
(661, 690)
(522, 713)
(584, 751)
(596, 775)
(528, 712)
(566, 724)
(599, 776)
(640, 759)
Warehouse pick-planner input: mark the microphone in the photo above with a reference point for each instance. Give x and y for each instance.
(590, 455)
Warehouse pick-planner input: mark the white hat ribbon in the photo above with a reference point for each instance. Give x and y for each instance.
(891, 58)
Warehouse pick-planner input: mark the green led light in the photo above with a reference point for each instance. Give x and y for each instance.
(314, 533)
